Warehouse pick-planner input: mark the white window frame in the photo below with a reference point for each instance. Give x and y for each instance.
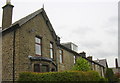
(51, 50)
(74, 59)
(61, 55)
(38, 46)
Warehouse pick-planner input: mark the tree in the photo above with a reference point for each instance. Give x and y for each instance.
(81, 65)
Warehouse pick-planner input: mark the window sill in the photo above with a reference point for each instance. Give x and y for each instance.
(61, 63)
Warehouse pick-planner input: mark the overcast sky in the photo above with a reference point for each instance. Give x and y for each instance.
(90, 24)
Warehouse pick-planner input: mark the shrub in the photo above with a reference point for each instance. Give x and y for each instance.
(72, 76)
(103, 80)
(81, 65)
(110, 75)
(117, 77)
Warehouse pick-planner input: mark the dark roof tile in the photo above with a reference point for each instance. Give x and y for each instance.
(27, 18)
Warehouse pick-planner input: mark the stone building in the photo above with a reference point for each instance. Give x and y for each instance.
(31, 44)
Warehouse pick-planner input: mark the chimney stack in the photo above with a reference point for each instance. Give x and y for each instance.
(83, 54)
(90, 58)
(116, 63)
(7, 15)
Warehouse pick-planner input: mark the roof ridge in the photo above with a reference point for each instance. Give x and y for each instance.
(28, 17)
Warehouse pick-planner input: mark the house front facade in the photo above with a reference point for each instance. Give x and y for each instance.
(31, 45)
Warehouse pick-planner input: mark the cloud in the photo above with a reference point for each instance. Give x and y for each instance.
(105, 53)
(82, 30)
(113, 19)
(111, 26)
(91, 44)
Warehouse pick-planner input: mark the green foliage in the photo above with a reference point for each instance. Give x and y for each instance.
(81, 65)
(73, 76)
(110, 75)
(117, 77)
(103, 80)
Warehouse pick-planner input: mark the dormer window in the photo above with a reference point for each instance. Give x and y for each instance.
(38, 46)
(51, 50)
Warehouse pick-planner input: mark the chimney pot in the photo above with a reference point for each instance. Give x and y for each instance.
(8, 1)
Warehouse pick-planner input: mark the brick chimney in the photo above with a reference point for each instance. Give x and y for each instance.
(7, 15)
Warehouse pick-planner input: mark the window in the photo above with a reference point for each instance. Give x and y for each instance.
(51, 50)
(61, 56)
(74, 59)
(36, 67)
(41, 68)
(38, 46)
(44, 68)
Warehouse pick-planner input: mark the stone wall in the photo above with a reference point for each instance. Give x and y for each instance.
(7, 56)
(35, 27)
(68, 60)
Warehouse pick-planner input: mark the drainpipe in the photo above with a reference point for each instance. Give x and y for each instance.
(57, 53)
(14, 56)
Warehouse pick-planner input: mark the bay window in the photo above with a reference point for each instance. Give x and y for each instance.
(36, 67)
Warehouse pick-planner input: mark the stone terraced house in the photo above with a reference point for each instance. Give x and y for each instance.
(31, 44)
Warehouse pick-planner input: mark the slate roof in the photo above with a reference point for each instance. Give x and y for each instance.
(42, 59)
(102, 62)
(27, 18)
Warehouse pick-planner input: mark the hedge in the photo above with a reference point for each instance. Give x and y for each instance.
(90, 76)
